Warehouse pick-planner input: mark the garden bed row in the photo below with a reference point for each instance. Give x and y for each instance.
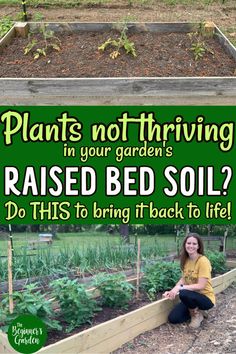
(110, 335)
(195, 83)
(82, 278)
(44, 281)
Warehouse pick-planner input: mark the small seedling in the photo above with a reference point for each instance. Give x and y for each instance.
(38, 16)
(198, 49)
(121, 42)
(50, 41)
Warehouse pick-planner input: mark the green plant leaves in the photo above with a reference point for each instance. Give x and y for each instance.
(50, 41)
(121, 42)
(30, 46)
(29, 301)
(114, 289)
(76, 306)
(159, 277)
(218, 261)
(6, 24)
(198, 49)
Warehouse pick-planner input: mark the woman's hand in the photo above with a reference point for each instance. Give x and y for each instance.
(171, 294)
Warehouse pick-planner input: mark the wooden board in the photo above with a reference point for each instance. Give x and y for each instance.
(217, 281)
(226, 44)
(227, 279)
(158, 27)
(231, 264)
(110, 335)
(5, 347)
(118, 91)
(4, 41)
(118, 330)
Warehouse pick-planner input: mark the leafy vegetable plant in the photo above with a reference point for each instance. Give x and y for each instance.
(159, 277)
(49, 39)
(198, 44)
(76, 306)
(121, 42)
(29, 301)
(198, 49)
(114, 289)
(218, 261)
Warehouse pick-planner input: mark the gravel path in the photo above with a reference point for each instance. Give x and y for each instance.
(217, 334)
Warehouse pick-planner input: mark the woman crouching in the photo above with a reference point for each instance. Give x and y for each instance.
(194, 288)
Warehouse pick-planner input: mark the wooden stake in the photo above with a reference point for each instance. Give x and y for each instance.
(224, 242)
(24, 10)
(10, 285)
(138, 270)
(209, 29)
(22, 29)
(11, 240)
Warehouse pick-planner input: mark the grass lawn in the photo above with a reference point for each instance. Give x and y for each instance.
(85, 240)
(88, 239)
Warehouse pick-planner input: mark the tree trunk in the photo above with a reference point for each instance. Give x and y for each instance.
(124, 232)
(187, 229)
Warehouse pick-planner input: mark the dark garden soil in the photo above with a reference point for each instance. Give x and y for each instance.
(217, 333)
(158, 55)
(102, 316)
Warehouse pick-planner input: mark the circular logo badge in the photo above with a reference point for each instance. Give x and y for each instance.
(27, 334)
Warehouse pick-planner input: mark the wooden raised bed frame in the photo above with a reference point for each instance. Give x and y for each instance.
(110, 335)
(119, 91)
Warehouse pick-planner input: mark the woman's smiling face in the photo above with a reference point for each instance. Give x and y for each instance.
(192, 246)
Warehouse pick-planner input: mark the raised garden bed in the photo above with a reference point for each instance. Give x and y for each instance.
(163, 72)
(110, 335)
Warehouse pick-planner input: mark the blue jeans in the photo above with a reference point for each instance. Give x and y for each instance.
(189, 300)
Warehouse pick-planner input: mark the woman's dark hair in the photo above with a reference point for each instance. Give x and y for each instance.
(184, 254)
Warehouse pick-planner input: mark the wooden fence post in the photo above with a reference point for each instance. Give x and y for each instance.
(138, 270)
(10, 286)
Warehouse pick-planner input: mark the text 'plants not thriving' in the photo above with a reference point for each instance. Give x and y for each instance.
(141, 137)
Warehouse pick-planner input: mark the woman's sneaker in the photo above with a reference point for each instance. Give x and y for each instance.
(196, 318)
(205, 313)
